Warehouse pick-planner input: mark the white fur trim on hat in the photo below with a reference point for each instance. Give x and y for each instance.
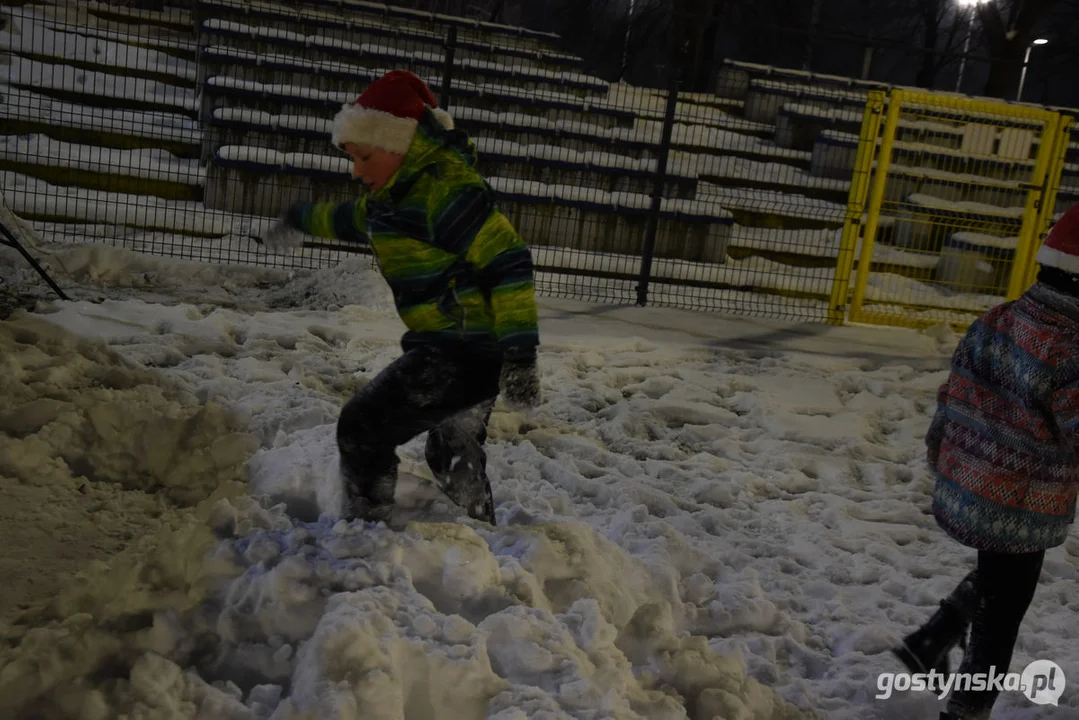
(364, 126)
(443, 117)
(1051, 257)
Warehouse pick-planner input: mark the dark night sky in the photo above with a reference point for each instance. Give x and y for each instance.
(749, 32)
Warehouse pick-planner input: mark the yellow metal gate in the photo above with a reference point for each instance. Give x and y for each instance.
(950, 199)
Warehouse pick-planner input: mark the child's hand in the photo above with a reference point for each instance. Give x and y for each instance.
(281, 237)
(519, 383)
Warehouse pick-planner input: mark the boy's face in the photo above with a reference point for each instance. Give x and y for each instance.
(374, 166)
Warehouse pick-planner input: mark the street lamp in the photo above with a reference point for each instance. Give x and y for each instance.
(973, 5)
(1026, 61)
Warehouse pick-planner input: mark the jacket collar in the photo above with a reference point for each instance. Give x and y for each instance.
(431, 143)
(1062, 302)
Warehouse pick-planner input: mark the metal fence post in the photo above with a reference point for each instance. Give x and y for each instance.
(200, 73)
(657, 192)
(447, 68)
(1049, 197)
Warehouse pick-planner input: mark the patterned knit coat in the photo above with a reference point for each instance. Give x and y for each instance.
(1004, 437)
(459, 271)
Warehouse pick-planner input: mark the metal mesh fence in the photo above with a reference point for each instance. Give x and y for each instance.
(187, 130)
(768, 159)
(965, 189)
(955, 204)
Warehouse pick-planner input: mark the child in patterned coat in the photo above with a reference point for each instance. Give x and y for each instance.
(462, 281)
(1003, 447)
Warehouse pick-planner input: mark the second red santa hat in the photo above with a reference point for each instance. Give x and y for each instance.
(1061, 248)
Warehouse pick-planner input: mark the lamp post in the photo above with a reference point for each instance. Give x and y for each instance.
(1026, 61)
(973, 5)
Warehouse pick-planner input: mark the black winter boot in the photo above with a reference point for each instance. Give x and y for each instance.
(455, 453)
(927, 647)
(368, 499)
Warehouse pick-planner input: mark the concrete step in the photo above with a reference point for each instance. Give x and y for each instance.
(23, 112)
(138, 172)
(77, 86)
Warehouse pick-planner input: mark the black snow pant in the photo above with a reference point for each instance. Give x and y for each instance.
(446, 391)
(1005, 585)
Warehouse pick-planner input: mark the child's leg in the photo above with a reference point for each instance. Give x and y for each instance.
(414, 394)
(927, 647)
(1006, 584)
(456, 455)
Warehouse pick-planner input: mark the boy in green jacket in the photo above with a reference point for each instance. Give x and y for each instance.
(462, 281)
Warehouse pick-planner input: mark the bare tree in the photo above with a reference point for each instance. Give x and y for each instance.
(695, 33)
(645, 35)
(771, 32)
(942, 30)
(1008, 27)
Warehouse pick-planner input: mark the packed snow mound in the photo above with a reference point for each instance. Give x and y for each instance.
(285, 619)
(117, 267)
(73, 409)
(106, 628)
(447, 620)
(345, 620)
(355, 282)
(102, 456)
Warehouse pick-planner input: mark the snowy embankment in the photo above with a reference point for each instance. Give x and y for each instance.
(708, 517)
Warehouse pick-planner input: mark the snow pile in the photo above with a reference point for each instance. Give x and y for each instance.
(96, 455)
(337, 620)
(233, 246)
(98, 268)
(354, 281)
(708, 517)
(73, 411)
(888, 288)
(445, 621)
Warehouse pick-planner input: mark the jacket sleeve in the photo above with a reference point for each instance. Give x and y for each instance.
(345, 221)
(1065, 407)
(935, 435)
(463, 219)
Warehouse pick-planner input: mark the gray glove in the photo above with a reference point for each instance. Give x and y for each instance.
(519, 381)
(281, 238)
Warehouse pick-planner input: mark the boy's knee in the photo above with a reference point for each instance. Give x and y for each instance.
(362, 445)
(354, 415)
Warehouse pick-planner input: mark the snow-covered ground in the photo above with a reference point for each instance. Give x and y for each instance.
(707, 518)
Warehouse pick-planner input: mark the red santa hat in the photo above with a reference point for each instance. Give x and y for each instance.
(387, 114)
(1061, 248)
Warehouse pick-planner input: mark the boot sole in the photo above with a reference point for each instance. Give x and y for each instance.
(913, 664)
